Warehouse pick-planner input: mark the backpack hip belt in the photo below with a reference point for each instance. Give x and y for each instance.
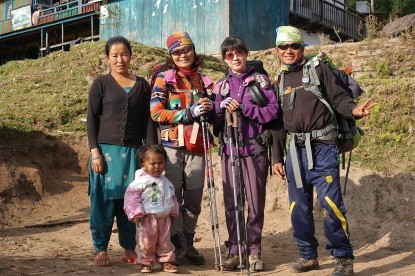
(242, 143)
(245, 142)
(327, 133)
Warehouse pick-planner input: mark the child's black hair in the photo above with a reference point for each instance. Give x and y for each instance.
(143, 152)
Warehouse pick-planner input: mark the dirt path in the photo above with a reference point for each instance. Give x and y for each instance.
(383, 240)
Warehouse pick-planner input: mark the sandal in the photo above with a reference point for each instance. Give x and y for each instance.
(168, 267)
(146, 268)
(129, 260)
(101, 259)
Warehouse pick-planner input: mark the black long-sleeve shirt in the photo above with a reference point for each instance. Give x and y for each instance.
(116, 117)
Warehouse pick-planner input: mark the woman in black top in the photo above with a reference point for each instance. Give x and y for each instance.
(117, 120)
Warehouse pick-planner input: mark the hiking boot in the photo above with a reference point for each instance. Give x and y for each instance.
(344, 266)
(180, 253)
(255, 263)
(194, 256)
(303, 265)
(168, 267)
(231, 262)
(146, 268)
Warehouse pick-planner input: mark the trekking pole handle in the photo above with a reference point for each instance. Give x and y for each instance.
(229, 126)
(235, 119)
(229, 118)
(203, 118)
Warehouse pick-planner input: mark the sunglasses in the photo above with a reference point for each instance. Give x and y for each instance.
(294, 46)
(183, 51)
(231, 55)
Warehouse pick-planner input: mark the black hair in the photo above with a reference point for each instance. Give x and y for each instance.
(144, 151)
(233, 43)
(116, 40)
(196, 62)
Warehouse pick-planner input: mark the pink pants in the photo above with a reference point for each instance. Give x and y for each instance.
(155, 240)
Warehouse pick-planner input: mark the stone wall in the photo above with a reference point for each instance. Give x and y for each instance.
(367, 57)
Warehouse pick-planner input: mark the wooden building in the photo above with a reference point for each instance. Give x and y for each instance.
(331, 17)
(207, 21)
(33, 28)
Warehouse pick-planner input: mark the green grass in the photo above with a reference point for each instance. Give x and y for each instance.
(389, 141)
(49, 96)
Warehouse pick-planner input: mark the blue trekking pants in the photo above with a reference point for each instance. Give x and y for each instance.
(325, 178)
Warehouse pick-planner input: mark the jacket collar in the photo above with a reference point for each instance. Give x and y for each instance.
(248, 71)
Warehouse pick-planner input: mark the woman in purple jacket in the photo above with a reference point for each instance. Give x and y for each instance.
(234, 101)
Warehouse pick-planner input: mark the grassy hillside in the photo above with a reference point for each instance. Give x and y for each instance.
(49, 95)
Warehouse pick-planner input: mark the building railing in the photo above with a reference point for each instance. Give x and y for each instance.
(331, 14)
(67, 9)
(64, 9)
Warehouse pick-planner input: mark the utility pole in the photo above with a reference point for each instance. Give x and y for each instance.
(372, 6)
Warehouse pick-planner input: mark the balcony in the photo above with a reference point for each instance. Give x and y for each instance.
(60, 10)
(331, 17)
(67, 9)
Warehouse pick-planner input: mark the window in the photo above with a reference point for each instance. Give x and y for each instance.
(8, 8)
(44, 3)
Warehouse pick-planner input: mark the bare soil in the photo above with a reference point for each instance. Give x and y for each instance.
(44, 211)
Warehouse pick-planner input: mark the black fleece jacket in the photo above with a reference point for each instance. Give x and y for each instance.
(309, 113)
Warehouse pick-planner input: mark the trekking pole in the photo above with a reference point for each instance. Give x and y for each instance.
(235, 128)
(212, 194)
(235, 197)
(346, 177)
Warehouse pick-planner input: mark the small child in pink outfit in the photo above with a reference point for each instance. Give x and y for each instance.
(150, 201)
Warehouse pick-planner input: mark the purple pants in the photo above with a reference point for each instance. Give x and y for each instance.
(254, 174)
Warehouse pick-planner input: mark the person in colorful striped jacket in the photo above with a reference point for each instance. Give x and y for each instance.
(179, 101)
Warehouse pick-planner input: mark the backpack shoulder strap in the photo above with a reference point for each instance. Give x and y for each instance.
(280, 86)
(289, 90)
(222, 87)
(170, 77)
(257, 96)
(252, 82)
(312, 83)
(207, 84)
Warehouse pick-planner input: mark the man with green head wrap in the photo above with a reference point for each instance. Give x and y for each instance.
(313, 156)
(288, 33)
